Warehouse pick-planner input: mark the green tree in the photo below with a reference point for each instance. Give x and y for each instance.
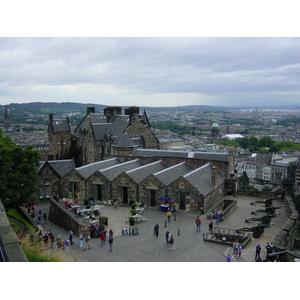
(244, 180)
(263, 150)
(244, 142)
(267, 189)
(18, 175)
(265, 141)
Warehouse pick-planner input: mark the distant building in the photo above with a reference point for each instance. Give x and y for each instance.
(7, 127)
(232, 136)
(101, 136)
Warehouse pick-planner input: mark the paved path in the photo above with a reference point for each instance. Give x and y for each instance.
(190, 247)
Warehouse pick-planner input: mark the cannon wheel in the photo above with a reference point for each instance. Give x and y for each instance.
(256, 234)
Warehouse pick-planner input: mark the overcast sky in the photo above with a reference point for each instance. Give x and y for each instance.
(151, 71)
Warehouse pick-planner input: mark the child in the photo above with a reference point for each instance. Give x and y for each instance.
(240, 250)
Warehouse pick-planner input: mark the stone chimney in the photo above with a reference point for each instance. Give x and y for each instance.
(133, 113)
(90, 110)
(110, 111)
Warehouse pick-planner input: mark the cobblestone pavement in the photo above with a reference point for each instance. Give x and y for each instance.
(190, 247)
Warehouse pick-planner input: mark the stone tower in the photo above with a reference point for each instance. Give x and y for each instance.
(6, 121)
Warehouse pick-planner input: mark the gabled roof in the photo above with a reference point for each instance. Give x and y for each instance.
(140, 173)
(100, 130)
(201, 178)
(118, 125)
(94, 118)
(60, 125)
(112, 172)
(87, 170)
(170, 174)
(60, 167)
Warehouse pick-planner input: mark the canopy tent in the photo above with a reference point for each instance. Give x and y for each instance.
(164, 198)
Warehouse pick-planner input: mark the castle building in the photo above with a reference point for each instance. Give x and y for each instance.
(101, 136)
(7, 127)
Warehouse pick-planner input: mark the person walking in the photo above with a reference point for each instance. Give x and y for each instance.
(257, 251)
(87, 239)
(217, 218)
(210, 226)
(240, 250)
(45, 218)
(102, 238)
(235, 247)
(167, 236)
(110, 241)
(198, 223)
(169, 214)
(171, 243)
(71, 236)
(40, 216)
(80, 240)
(111, 233)
(156, 229)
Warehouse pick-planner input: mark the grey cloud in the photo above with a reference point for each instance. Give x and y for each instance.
(226, 68)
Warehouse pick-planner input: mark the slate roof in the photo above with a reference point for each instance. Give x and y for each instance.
(94, 118)
(118, 125)
(140, 173)
(87, 170)
(59, 125)
(124, 140)
(172, 173)
(201, 178)
(100, 130)
(112, 172)
(60, 167)
(169, 153)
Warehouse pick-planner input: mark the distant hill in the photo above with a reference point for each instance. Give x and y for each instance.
(51, 107)
(69, 107)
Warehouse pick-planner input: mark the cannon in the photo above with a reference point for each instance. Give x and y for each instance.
(268, 202)
(264, 219)
(257, 230)
(268, 210)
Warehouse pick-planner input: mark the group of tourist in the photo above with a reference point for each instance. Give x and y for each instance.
(102, 236)
(269, 249)
(237, 250)
(31, 209)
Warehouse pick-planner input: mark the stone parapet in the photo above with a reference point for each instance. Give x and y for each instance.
(11, 249)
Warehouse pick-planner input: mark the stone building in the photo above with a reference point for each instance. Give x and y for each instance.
(101, 136)
(135, 181)
(198, 189)
(83, 182)
(129, 187)
(50, 175)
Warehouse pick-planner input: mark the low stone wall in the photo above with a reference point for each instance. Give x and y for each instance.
(226, 206)
(285, 238)
(11, 246)
(65, 219)
(254, 193)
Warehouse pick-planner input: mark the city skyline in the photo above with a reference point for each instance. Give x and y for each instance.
(159, 72)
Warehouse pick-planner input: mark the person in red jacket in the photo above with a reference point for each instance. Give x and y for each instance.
(102, 237)
(198, 223)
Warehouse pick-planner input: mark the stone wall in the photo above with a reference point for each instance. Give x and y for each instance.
(285, 238)
(65, 218)
(11, 245)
